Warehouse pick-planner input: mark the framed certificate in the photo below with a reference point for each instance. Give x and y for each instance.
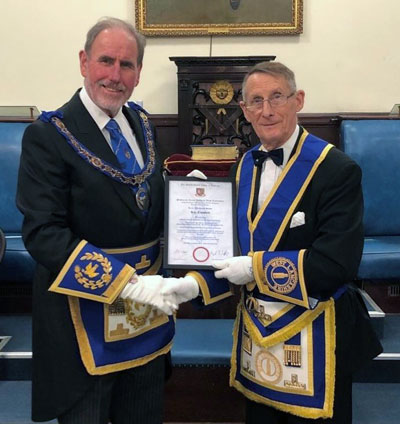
(200, 222)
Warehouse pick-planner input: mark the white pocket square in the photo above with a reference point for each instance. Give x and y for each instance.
(299, 218)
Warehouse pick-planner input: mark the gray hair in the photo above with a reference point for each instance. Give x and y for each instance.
(274, 69)
(108, 23)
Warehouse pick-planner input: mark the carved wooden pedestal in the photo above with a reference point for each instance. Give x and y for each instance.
(209, 91)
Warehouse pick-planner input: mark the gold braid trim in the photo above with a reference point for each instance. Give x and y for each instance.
(107, 169)
(205, 292)
(330, 377)
(86, 353)
(284, 333)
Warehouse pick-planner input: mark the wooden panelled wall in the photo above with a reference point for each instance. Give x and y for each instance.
(324, 125)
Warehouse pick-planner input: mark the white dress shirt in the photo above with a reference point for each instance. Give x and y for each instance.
(101, 119)
(270, 172)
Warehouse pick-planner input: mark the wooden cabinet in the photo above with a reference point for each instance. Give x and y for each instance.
(209, 91)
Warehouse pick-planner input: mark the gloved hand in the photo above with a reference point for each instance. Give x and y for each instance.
(238, 270)
(197, 174)
(147, 289)
(182, 289)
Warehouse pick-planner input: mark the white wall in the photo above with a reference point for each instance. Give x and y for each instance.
(347, 58)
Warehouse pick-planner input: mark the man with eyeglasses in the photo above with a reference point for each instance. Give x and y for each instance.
(301, 330)
(300, 231)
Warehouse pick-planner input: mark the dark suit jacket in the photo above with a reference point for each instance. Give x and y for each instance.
(333, 237)
(65, 200)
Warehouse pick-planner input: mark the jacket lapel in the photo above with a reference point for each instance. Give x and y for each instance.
(156, 197)
(286, 230)
(134, 122)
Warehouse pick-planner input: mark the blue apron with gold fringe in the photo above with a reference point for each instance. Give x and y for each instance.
(283, 351)
(113, 334)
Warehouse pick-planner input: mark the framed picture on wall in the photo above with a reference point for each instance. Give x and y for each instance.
(219, 17)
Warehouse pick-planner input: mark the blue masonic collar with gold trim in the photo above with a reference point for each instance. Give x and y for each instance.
(132, 180)
(267, 228)
(279, 275)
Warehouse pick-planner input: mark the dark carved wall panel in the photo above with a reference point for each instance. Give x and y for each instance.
(324, 125)
(167, 134)
(209, 92)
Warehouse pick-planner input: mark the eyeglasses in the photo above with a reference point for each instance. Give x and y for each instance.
(277, 100)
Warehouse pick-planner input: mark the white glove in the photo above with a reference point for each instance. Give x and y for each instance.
(182, 289)
(197, 174)
(147, 289)
(238, 270)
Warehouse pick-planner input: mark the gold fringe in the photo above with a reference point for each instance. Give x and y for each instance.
(86, 352)
(305, 412)
(108, 296)
(235, 332)
(67, 265)
(300, 411)
(330, 349)
(260, 278)
(286, 332)
(207, 299)
(118, 284)
(81, 335)
(129, 364)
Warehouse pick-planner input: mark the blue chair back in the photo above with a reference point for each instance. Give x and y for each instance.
(10, 151)
(375, 146)
(2, 244)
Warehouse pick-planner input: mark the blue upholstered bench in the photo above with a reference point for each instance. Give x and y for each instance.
(202, 342)
(2, 244)
(375, 146)
(17, 265)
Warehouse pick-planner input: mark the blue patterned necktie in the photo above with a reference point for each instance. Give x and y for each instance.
(128, 162)
(121, 149)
